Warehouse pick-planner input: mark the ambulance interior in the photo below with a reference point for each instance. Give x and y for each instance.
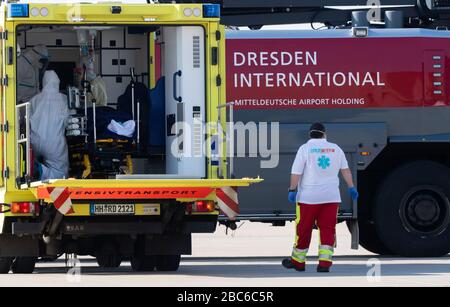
(126, 90)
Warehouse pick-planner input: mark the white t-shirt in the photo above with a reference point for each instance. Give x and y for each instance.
(319, 161)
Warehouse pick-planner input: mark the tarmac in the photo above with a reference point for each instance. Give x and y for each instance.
(249, 257)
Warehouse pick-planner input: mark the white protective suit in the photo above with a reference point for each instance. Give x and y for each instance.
(49, 113)
(28, 66)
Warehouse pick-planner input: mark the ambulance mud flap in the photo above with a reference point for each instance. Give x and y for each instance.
(15, 246)
(172, 217)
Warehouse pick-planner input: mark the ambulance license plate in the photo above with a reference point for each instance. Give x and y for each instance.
(113, 209)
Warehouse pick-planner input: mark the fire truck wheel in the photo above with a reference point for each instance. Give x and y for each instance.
(23, 265)
(368, 238)
(412, 210)
(168, 263)
(5, 264)
(141, 263)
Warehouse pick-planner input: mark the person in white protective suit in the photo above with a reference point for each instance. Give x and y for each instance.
(28, 67)
(49, 113)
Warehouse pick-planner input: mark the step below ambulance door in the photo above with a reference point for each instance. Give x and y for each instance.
(183, 65)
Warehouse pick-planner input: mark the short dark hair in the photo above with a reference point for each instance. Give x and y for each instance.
(317, 131)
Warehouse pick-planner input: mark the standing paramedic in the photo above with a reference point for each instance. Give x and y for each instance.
(315, 189)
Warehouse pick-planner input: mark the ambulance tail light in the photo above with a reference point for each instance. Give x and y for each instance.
(205, 206)
(201, 206)
(18, 10)
(24, 208)
(211, 10)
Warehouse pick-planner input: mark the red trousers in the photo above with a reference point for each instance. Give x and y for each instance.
(324, 216)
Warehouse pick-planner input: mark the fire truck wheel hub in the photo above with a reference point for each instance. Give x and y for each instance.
(425, 211)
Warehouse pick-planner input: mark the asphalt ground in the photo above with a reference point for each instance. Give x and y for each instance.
(249, 257)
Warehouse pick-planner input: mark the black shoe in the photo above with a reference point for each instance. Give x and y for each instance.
(288, 264)
(322, 269)
(300, 270)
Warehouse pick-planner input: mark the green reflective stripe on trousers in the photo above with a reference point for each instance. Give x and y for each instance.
(299, 252)
(300, 259)
(297, 221)
(326, 253)
(325, 257)
(326, 249)
(299, 255)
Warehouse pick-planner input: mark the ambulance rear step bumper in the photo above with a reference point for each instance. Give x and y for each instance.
(97, 228)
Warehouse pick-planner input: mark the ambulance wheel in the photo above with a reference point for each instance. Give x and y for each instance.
(5, 264)
(168, 263)
(109, 261)
(412, 210)
(23, 265)
(108, 256)
(141, 263)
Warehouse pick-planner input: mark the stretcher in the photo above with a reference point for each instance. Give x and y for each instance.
(97, 153)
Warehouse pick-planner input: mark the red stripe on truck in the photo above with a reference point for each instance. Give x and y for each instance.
(304, 73)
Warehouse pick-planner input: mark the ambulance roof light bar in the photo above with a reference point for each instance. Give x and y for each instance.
(18, 10)
(211, 10)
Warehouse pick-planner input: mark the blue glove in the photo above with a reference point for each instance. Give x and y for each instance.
(353, 193)
(292, 197)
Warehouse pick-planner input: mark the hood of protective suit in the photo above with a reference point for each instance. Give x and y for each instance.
(50, 82)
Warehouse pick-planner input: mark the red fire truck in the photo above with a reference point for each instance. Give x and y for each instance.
(383, 95)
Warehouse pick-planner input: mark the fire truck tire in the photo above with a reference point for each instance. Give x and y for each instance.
(5, 264)
(141, 263)
(412, 210)
(168, 263)
(23, 265)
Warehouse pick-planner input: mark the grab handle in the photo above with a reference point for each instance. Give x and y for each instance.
(175, 95)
